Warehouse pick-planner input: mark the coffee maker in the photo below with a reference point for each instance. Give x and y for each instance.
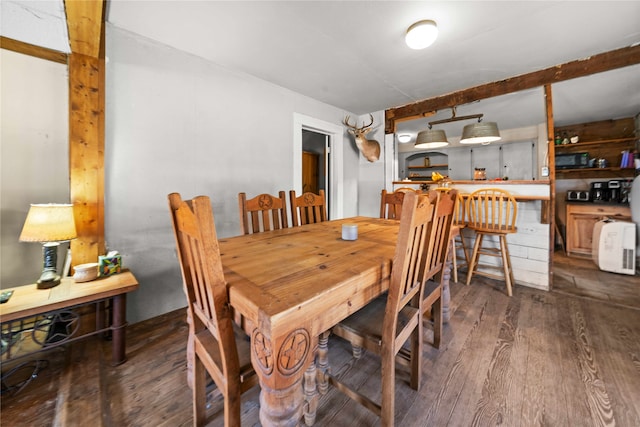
(614, 189)
(599, 192)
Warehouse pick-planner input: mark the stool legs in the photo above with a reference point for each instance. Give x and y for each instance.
(503, 255)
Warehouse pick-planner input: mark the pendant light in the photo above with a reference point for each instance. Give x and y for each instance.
(431, 138)
(480, 133)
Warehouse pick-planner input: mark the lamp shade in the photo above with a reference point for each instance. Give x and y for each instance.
(421, 34)
(480, 133)
(49, 223)
(431, 139)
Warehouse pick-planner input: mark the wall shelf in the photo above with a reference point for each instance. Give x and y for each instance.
(605, 139)
(443, 165)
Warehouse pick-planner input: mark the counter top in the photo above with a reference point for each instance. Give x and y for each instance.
(485, 182)
(521, 190)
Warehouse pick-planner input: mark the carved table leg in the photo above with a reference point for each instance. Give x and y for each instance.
(281, 365)
(310, 395)
(323, 362)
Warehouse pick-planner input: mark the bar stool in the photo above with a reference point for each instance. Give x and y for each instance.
(492, 212)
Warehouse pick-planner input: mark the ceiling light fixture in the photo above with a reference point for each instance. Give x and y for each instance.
(431, 138)
(480, 133)
(404, 137)
(421, 34)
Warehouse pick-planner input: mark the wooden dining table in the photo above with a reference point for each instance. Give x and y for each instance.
(288, 286)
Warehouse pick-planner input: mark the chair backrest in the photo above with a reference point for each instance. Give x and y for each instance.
(408, 189)
(391, 204)
(459, 216)
(262, 213)
(309, 208)
(406, 274)
(440, 233)
(203, 278)
(492, 209)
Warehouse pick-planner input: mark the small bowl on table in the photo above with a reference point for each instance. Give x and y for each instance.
(86, 272)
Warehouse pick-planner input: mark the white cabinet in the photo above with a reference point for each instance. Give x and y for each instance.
(460, 164)
(487, 157)
(519, 160)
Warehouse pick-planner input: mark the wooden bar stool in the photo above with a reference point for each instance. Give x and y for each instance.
(492, 212)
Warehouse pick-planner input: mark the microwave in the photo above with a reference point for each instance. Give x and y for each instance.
(572, 160)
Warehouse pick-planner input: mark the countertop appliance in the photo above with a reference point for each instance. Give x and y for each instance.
(578, 196)
(614, 188)
(599, 192)
(572, 160)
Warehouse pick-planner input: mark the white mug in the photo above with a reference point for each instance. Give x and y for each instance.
(349, 231)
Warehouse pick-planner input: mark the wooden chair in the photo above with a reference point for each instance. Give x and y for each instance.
(215, 345)
(391, 203)
(441, 238)
(388, 322)
(492, 212)
(309, 208)
(262, 213)
(457, 237)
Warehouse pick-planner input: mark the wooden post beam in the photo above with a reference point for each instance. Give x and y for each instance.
(86, 126)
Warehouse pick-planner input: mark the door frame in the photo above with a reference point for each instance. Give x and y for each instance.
(336, 161)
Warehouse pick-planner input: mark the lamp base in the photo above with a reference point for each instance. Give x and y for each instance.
(48, 279)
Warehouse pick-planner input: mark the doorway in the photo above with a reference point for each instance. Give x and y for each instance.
(332, 142)
(315, 162)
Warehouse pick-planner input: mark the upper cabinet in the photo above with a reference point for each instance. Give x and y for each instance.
(601, 144)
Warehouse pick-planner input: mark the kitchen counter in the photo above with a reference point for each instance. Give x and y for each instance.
(530, 246)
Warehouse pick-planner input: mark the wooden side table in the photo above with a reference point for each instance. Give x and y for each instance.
(34, 312)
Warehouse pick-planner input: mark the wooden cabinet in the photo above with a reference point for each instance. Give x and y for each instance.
(580, 221)
(605, 139)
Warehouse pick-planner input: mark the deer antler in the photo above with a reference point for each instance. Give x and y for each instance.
(346, 123)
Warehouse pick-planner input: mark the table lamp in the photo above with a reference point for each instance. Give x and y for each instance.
(49, 224)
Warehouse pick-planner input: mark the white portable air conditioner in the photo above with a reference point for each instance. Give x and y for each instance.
(614, 246)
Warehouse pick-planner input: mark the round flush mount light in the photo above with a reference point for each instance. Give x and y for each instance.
(421, 34)
(404, 137)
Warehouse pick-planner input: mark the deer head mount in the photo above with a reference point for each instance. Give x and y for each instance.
(370, 148)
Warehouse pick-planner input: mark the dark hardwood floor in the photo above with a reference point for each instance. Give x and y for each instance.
(581, 277)
(536, 359)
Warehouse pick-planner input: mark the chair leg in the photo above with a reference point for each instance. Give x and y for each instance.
(454, 261)
(199, 392)
(387, 410)
(436, 309)
(474, 257)
(465, 250)
(416, 355)
(506, 263)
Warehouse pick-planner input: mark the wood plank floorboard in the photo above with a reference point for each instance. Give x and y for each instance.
(535, 359)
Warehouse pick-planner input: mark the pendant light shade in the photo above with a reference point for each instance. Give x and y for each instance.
(431, 139)
(480, 133)
(421, 34)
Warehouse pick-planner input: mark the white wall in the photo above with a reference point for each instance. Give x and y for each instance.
(175, 122)
(34, 156)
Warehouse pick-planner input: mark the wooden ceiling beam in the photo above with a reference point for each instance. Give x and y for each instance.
(33, 50)
(606, 61)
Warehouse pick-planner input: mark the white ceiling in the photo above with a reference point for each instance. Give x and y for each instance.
(351, 54)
